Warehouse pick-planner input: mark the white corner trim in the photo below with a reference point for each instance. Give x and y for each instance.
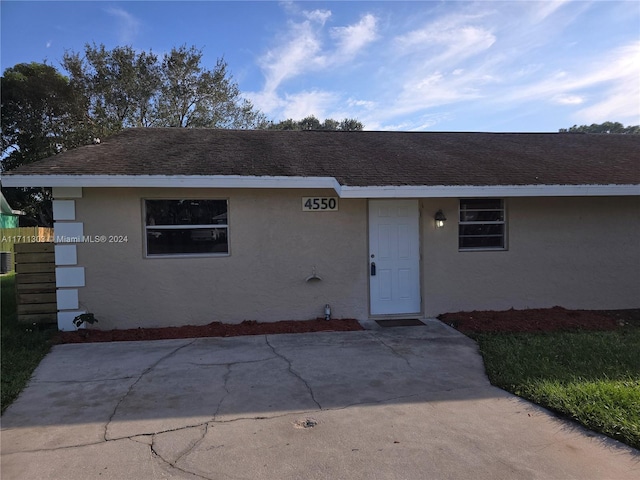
(67, 298)
(64, 209)
(65, 320)
(66, 254)
(63, 191)
(68, 232)
(70, 277)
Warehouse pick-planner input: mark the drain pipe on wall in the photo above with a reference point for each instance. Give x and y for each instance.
(327, 312)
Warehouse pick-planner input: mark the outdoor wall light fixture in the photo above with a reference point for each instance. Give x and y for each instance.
(440, 219)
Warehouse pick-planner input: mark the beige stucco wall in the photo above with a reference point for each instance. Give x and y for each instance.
(573, 252)
(274, 246)
(576, 252)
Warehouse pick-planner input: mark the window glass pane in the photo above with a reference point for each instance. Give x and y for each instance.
(186, 240)
(481, 242)
(482, 229)
(481, 223)
(482, 216)
(186, 212)
(481, 204)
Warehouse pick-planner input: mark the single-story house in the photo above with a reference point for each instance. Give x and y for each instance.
(165, 227)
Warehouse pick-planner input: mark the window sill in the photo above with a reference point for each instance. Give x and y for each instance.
(188, 255)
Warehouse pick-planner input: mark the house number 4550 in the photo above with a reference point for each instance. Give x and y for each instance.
(319, 204)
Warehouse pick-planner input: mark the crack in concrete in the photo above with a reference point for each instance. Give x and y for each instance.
(155, 454)
(66, 447)
(195, 444)
(393, 350)
(293, 372)
(231, 363)
(187, 451)
(131, 387)
(206, 425)
(226, 389)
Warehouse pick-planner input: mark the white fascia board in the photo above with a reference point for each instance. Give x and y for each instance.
(445, 191)
(383, 191)
(162, 181)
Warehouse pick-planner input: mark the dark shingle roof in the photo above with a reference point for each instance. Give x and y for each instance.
(360, 158)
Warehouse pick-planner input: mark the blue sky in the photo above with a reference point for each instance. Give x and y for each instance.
(443, 66)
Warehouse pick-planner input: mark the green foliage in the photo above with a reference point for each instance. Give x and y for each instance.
(591, 377)
(116, 86)
(124, 88)
(41, 116)
(84, 318)
(606, 127)
(39, 112)
(22, 345)
(312, 123)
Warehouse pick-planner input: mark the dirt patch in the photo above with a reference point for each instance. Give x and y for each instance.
(214, 329)
(540, 320)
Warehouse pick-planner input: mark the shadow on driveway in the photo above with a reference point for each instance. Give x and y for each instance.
(344, 401)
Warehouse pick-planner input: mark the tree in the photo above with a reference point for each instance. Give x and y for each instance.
(128, 89)
(606, 127)
(350, 125)
(192, 96)
(117, 86)
(40, 117)
(312, 123)
(38, 112)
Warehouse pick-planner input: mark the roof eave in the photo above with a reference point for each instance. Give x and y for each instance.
(344, 191)
(463, 191)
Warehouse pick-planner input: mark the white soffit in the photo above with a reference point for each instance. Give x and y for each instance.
(383, 191)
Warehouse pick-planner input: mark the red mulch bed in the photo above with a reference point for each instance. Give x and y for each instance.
(214, 329)
(532, 320)
(540, 320)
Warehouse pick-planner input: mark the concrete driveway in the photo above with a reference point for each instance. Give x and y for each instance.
(394, 403)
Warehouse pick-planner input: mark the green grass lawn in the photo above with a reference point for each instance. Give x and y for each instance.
(22, 346)
(591, 377)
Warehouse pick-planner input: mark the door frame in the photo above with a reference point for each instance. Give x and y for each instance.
(420, 278)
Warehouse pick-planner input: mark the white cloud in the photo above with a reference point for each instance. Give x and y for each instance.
(541, 10)
(566, 99)
(353, 38)
(474, 59)
(443, 62)
(296, 54)
(454, 37)
(320, 16)
(303, 104)
(615, 76)
(620, 99)
(352, 102)
(302, 50)
(128, 25)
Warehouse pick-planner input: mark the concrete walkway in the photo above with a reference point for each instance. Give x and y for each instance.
(394, 403)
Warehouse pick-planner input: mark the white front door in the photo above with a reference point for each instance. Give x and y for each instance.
(394, 256)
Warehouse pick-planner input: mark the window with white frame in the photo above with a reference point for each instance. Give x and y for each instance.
(186, 227)
(481, 224)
